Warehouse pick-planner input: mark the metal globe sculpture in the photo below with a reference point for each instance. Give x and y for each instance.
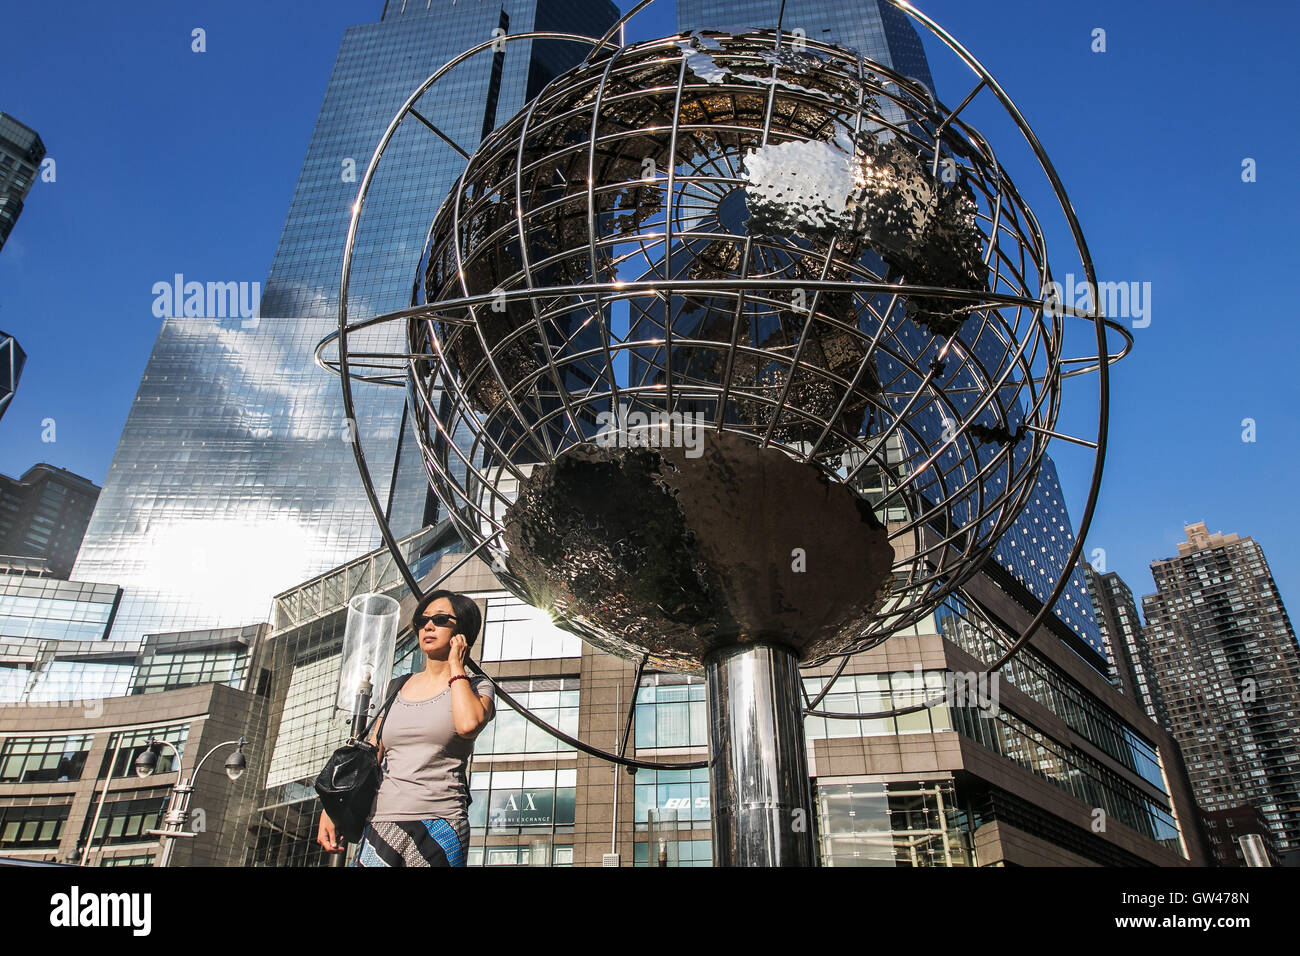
(791, 247)
(735, 353)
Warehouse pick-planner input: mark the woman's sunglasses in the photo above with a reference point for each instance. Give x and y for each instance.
(439, 620)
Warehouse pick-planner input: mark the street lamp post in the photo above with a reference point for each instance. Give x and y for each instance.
(178, 809)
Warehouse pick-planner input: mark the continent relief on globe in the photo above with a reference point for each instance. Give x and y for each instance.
(647, 550)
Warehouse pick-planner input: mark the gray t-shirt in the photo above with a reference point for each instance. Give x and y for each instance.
(424, 759)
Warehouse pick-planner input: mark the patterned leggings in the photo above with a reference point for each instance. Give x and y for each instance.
(432, 842)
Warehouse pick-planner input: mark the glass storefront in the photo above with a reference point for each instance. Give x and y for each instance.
(538, 853)
(522, 801)
(686, 853)
(902, 824)
(686, 791)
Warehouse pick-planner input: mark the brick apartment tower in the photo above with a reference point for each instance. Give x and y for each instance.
(1227, 667)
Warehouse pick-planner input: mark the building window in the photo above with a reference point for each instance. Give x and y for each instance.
(134, 742)
(1070, 771)
(683, 791)
(553, 699)
(873, 694)
(671, 712)
(32, 828)
(538, 853)
(44, 759)
(172, 671)
(675, 853)
(125, 821)
(514, 631)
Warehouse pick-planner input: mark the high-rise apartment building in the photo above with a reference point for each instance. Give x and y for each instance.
(233, 479)
(21, 153)
(44, 515)
(1224, 656)
(1239, 836)
(1127, 652)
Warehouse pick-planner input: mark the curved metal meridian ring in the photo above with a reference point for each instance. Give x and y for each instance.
(388, 374)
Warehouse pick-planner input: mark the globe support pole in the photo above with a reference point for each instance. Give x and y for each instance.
(758, 767)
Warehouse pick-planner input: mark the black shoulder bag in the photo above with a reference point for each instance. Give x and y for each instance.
(348, 784)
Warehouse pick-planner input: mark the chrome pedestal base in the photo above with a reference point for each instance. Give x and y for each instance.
(758, 781)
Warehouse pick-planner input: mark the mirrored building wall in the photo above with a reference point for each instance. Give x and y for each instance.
(234, 479)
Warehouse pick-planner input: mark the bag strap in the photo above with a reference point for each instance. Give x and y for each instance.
(392, 696)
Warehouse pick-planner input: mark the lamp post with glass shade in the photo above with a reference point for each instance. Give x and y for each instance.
(178, 810)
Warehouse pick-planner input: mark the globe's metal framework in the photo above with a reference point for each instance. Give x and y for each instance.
(647, 232)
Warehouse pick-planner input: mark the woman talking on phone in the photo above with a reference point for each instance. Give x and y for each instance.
(421, 813)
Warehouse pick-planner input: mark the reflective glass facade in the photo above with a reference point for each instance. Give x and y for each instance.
(539, 853)
(524, 802)
(1067, 766)
(1029, 673)
(1071, 771)
(125, 821)
(46, 671)
(125, 746)
(872, 694)
(871, 27)
(515, 631)
(671, 712)
(172, 661)
(553, 699)
(232, 480)
(49, 609)
(683, 791)
(684, 853)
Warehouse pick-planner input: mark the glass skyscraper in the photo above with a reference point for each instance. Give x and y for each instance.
(233, 479)
(1034, 549)
(873, 28)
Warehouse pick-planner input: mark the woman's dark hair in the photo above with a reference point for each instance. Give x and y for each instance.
(468, 618)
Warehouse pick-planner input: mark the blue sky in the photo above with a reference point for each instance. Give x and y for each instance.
(169, 161)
